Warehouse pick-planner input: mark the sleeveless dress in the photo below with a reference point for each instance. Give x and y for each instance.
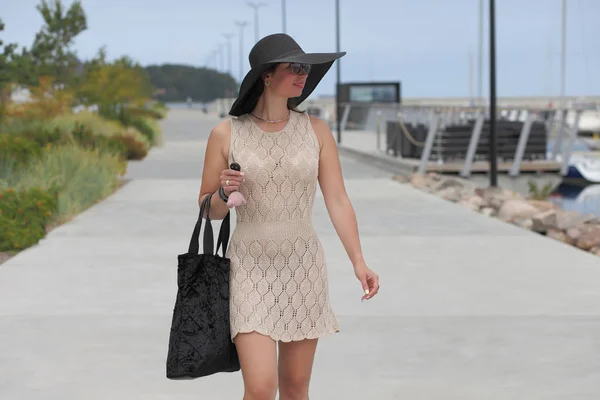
(278, 281)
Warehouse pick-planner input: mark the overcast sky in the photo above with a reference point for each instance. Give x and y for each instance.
(424, 44)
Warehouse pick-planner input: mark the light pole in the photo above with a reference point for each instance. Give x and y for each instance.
(219, 51)
(492, 146)
(241, 25)
(228, 37)
(256, 6)
(283, 19)
(480, 57)
(563, 60)
(338, 72)
(215, 59)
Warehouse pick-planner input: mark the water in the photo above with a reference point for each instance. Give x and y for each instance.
(583, 199)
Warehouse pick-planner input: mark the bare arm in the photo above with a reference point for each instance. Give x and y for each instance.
(215, 161)
(337, 202)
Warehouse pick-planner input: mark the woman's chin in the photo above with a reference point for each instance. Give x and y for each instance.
(297, 92)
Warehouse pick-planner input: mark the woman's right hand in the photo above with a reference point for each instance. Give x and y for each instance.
(234, 177)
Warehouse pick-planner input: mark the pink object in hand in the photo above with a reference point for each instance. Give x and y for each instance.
(236, 199)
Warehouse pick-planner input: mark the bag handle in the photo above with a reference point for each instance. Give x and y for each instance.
(208, 239)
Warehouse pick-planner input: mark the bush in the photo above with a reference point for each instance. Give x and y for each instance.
(15, 126)
(97, 124)
(17, 150)
(24, 216)
(110, 144)
(153, 112)
(148, 127)
(135, 150)
(103, 127)
(82, 177)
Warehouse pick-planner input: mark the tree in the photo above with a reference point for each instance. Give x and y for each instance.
(113, 86)
(177, 82)
(7, 68)
(51, 53)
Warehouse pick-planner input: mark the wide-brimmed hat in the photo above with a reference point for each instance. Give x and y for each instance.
(274, 49)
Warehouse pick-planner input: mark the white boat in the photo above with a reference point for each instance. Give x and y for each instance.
(584, 166)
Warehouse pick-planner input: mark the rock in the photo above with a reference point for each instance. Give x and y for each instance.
(589, 239)
(569, 219)
(542, 205)
(496, 197)
(471, 202)
(449, 193)
(573, 234)
(558, 235)
(516, 209)
(467, 204)
(448, 182)
(595, 251)
(419, 181)
(401, 178)
(476, 201)
(591, 219)
(526, 223)
(544, 220)
(488, 211)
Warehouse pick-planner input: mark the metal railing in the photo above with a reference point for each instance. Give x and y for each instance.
(373, 116)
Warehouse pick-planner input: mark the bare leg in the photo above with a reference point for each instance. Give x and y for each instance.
(295, 368)
(258, 359)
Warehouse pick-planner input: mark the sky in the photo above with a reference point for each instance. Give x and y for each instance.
(429, 46)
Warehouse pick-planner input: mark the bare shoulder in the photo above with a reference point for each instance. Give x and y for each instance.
(321, 130)
(220, 136)
(221, 131)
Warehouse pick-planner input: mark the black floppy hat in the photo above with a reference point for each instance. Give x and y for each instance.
(274, 49)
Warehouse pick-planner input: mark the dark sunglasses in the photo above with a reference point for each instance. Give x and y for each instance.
(295, 68)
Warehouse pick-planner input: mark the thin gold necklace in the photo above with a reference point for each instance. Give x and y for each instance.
(269, 121)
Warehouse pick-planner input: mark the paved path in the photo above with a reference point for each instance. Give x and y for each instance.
(470, 308)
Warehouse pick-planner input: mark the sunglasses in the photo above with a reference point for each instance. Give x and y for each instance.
(296, 68)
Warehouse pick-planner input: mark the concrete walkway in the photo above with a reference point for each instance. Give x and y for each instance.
(470, 307)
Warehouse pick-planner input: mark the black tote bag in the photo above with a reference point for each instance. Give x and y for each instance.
(200, 342)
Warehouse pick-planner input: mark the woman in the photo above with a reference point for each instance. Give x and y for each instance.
(278, 284)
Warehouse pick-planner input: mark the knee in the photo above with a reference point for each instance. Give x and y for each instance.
(263, 390)
(294, 387)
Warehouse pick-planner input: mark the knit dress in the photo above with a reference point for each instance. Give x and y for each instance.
(278, 280)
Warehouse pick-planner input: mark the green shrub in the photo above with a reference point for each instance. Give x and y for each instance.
(148, 127)
(135, 149)
(17, 125)
(24, 216)
(82, 177)
(99, 126)
(88, 140)
(46, 136)
(153, 112)
(18, 149)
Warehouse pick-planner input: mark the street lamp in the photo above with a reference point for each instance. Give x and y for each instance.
(228, 37)
(241, 25)
(283, 15)
(256, 6)
(338, 73)
(221, 45)
(480, 57)
(492, 146)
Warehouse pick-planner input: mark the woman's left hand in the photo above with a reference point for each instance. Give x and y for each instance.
(369, 281)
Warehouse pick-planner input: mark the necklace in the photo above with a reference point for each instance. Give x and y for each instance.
(269, 121)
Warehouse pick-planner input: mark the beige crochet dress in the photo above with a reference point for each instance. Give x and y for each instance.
(278, 283)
